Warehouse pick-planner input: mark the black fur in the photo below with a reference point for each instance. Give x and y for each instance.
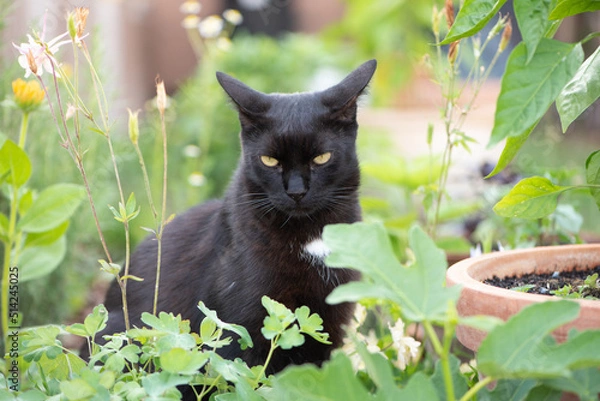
(230, 253)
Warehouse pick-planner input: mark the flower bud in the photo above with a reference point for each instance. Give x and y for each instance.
(134, 128)
(161, 95)
(28, 94)
(449, 8)
(81, 14)
(32, 64)
(232, 16)
(506, 34)
(453, 52)
(435, 21)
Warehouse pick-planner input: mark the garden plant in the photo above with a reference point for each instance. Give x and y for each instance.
(518, 360)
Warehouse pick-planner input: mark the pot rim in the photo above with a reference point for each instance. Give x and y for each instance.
(461, 273)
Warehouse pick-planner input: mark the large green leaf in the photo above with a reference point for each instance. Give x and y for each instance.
(38, 261)
(471, 18)
(584, 382)
(592, 174)
(335, 381)
(581, 91)
(418, 288)
(511, 148)
(522, 347)
(543, 393)
(531, 198)
(53, 207)
(528, 89)
(508, 390)
(15, 161)
(532, 17)
(566, 8)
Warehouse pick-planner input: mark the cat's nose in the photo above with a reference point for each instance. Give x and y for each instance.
(296, 188)
(296, 196)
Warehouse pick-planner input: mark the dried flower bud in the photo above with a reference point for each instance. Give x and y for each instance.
(453, 52)
(449, 8)
(81, 14)
(134, 128)
(506, 34)
(161, 95)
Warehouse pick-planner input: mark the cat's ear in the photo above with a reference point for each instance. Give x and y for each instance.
(250, 103)
(341, 98)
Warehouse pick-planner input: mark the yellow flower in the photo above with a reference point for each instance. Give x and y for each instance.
(28, 94)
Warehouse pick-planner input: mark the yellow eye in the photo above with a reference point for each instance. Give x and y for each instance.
(322, 159)
(269, 161)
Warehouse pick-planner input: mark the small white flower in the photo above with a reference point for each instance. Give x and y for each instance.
(370, 341)
(211, 26)
(223, 44)
(190, 7)
(191, 151)
(232, 16)
(196, 179)
(41, 54)
(406, 346)
(190, 21)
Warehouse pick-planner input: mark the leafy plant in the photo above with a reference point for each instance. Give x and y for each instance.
(540, 71)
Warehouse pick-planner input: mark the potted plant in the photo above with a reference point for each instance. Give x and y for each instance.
(539, 72)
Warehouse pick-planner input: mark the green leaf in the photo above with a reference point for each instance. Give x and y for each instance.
(38, 342)
(311, 324)
(291, 338)
(96, 321)
(419, 288)
(528, 89)
(543, 393)
(335, 381)
(531, 198)
(38, 261)
(163, 385)
(522, 347)
(380, 371)
(566, 8)
(15, 161)
(592, 174)
(47, 237)
(471, 18)
(245, 340)
(584, 382)
(532, 17)
(508, 390)
(186, 362)
(63, 367)
(418, 388)
(54, 206)
(581, 91)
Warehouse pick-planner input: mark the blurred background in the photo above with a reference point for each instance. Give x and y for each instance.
(283, 46)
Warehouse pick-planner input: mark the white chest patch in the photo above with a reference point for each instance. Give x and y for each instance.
(317, 249)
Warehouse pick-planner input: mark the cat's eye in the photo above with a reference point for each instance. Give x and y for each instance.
(322, 159)
(269, 161)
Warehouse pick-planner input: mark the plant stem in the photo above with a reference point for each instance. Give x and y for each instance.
(163, 211)
(267, 361)
(12, 223)
(23, 131)
(443, 352)
(475, 389)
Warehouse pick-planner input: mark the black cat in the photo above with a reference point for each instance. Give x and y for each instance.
(298, 172)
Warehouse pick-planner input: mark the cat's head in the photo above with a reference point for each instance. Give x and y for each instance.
(299, 150)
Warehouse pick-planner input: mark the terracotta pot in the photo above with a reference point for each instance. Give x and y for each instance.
(481, 299)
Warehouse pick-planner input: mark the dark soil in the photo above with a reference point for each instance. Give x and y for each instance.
(546, 284)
